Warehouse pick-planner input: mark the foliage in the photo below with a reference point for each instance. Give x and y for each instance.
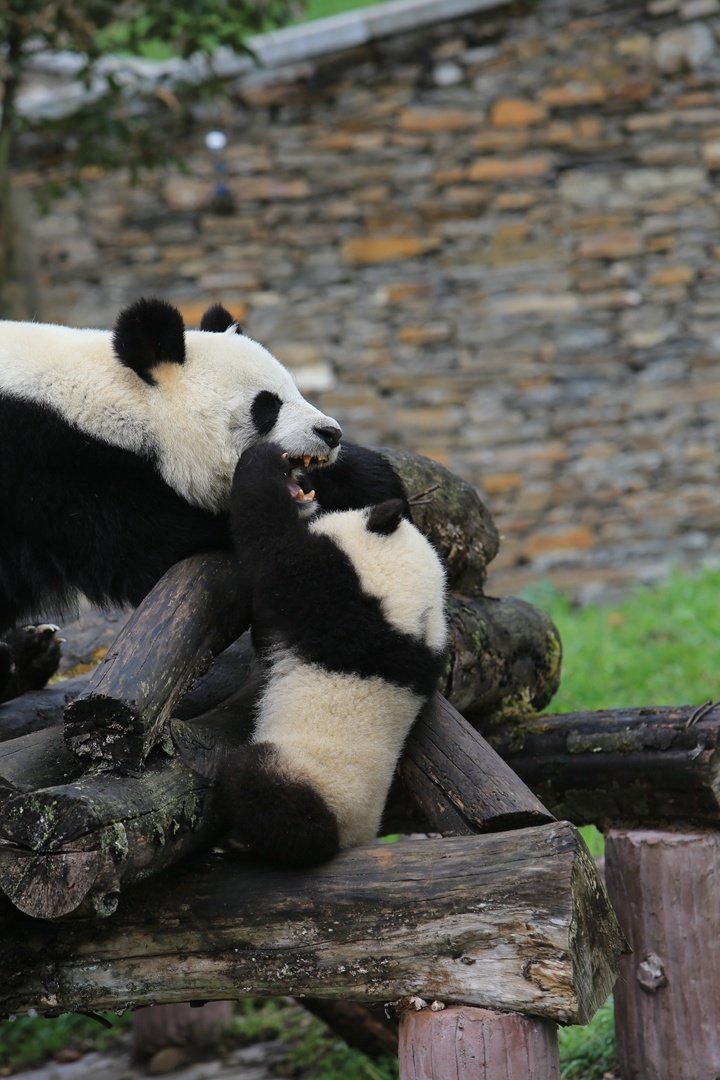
(28, 1041)
(587, 1053)
(658, 646)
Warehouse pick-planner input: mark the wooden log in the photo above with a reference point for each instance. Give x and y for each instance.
(476, 1044)
(505, 658)
(194, 612)
(632, 767)
(456, 782)
(443, 753)
(667, 1000)
(38, 709)
(79, 844)
(455, 519)
(508, 921)
(504, 655)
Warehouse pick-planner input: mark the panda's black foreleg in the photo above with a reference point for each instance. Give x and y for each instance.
(278, 817)
(29, 656)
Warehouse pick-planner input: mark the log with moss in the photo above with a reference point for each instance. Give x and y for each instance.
(509, 921)
(77, 844)
(646, 766)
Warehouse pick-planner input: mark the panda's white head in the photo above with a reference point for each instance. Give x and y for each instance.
(211, 393)
(396, 564)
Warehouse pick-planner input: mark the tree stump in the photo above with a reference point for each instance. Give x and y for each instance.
(665, 888)
(476, 1044)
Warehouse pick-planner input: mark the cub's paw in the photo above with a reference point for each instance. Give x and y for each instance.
(29, 656)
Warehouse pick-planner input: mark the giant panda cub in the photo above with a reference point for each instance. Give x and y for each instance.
(117, 455)
(348, 614)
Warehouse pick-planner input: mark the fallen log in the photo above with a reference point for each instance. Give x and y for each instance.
(505, 921)
(196, 609)
(616, 767)
(450, 780)
(80, 843)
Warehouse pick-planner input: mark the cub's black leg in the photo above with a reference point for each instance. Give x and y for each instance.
(280, 818)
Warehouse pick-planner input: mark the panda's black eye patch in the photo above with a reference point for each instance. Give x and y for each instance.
(264, 411)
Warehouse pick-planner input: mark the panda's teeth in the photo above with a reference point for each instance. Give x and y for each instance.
(307, 458)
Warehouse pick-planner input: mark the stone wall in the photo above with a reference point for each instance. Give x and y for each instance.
(493, 241)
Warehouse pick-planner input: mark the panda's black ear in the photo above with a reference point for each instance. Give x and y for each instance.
(385, 517)
(218, 319)
(148, 333)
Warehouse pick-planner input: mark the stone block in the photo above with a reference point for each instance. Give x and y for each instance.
(379, 249)
(439, 120)
(571, 95)
(685, 48)
(673, 275)
(517, 112)
(611, 245)
(499, 170)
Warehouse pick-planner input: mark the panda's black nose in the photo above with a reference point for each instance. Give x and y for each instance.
(329, 435)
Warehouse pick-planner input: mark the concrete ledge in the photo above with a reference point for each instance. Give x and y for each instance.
(291, 45)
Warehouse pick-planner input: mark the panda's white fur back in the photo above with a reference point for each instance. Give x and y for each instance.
(401, 570)
(196, 420)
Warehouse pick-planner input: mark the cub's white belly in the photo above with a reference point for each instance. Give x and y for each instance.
(341, 733)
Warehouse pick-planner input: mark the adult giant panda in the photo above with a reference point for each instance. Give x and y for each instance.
(348, 612)
(117, 451)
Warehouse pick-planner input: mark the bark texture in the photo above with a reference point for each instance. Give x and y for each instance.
(648, 766)
(664, 887)
(506, 921)
(193, 613)
(476, 1044)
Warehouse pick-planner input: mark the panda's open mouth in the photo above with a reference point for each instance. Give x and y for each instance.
(298, 483)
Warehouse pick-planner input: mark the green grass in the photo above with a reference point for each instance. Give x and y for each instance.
(659, 646)
(319, 9)
(28, 1041)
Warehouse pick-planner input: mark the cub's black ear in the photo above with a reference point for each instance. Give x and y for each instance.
(386, 516)
(217, 319)
(148, 333)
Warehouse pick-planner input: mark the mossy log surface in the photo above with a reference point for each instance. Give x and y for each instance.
(508, 921)
(454, 519)
(79, 842)
(650, 766)
(450, 780)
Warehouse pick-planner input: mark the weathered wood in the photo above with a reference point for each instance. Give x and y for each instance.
(194, 612)
(455, 519)
(629, 767)
(45, 708)
(456, 782)
(505, 658)
(79, 844)
(476, 1044)
(667, 1000)
(507, 920)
